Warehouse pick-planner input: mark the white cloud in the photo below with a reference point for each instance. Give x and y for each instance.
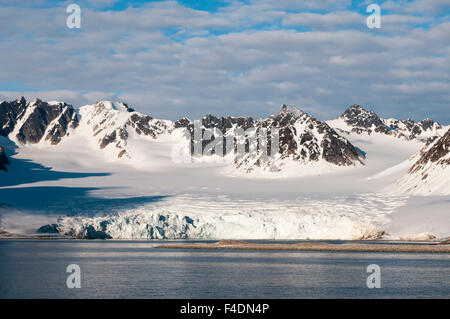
(325, 21)
(423, 7)
(171, 61)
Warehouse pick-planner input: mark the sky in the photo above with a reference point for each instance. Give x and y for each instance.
(171, 59)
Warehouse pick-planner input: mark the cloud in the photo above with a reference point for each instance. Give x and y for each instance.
(170, 61)
(305, 4)
(72, 97)
(423, 7)
(325, 21)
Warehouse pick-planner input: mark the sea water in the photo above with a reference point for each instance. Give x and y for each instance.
(137, 269)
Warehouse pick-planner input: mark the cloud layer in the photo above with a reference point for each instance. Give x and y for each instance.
(171, 60)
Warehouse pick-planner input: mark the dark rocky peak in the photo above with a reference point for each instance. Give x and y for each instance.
(362, 120)
(10, 113)
(358, 116)
(36, 119)
(428, 124)
(183, 122)
(52, 120)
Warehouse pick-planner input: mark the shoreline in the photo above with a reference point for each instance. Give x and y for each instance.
(443, 247)
(393, 246)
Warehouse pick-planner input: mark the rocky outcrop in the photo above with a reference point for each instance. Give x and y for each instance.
(31, 122)
(436, 154)
(10, 113)
(425, 130)
(3, 159)
(430, 173)
(363, 121)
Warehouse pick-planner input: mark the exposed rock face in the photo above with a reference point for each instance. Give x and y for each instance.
(3, 159)
(302, 138)
(30, 122)
(307, 139)
(437, 154)
(113, 123)
(430, 173)
(362, 121)
(424, 130)
(10, 113)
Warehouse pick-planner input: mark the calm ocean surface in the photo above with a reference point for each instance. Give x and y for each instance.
(135, 269)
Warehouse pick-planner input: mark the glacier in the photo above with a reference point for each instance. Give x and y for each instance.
(362, 216)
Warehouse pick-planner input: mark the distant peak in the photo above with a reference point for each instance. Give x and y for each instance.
(291, 110)
(22, 100)
(356, 108)
(357, 115)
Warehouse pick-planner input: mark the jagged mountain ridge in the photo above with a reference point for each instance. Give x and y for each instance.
(357, 119)
(303, 138)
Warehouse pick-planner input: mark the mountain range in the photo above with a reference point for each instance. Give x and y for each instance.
(116, 129)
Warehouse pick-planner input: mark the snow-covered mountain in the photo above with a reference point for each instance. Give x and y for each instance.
(302, 139)
(112, 124)
(115, 128)
(357, 119)
(304, 143)
(430, 173)
(359, 124)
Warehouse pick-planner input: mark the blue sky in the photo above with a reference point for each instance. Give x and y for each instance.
(188, 58)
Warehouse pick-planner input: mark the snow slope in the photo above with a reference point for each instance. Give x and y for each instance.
(429, 171)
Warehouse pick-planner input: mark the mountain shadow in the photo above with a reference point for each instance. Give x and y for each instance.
(24, 171)
(68, 200)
